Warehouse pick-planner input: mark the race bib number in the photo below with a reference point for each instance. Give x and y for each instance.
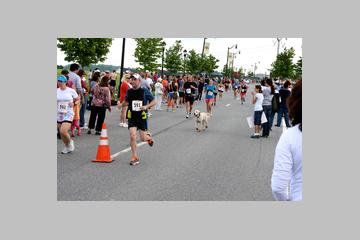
(136, 105)
(210, 93)
(242, 90)
(188, 90)
(63, 107)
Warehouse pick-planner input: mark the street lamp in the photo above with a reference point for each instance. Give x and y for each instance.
(162, 60)
(202, 56)
(185, 55)
(227, 58)
(232, 65)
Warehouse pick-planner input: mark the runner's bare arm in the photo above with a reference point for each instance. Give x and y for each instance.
(148, 106)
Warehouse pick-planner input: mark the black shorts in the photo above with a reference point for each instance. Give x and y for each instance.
(112, 83)
(181, 94)
(189, 99)
(64, 122)
(140, 124)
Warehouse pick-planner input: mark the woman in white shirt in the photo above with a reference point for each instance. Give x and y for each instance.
(286, 180)
(258, 110)
(66, 98)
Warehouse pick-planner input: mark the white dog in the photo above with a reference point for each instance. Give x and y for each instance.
(201, 120)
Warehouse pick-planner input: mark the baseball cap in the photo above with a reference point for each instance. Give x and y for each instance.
(135, 75)
(62, 78)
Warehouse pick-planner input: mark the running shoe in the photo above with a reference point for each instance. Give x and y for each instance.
(150, 141)
(255, 136)
(97, 133)
(121, 124)
(65, 151)
(134, 161)
(71, 146)
(187, 115)
(125, 125)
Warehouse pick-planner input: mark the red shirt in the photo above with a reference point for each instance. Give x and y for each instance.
(123, 88)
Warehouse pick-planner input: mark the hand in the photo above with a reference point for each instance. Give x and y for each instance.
(143, 108)
(118, 105)
(109, 109)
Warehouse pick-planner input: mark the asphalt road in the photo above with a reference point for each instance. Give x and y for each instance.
(221, 164)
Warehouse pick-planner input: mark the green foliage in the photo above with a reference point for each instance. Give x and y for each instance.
(209, 63)
(85, 50)
(298, 69)
(250, 74)
(192, 62)
(283, 66)
(147, 52)
(172, 61)
(226, 71)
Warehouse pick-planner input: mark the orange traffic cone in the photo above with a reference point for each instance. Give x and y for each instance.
(103, 153)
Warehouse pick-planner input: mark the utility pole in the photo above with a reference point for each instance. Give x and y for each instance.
(278, 47)
(202, 56)
(122, 64)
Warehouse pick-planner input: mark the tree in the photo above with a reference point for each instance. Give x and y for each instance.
(192, 63)
(209, 64)
(85, 50)
(298, 69)
(147, 52)
(283, 66)
(173, 62)
(250, 74)
(226, 71)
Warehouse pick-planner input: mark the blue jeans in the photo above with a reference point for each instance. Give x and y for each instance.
(266, 126)
(283, 110)
(82, 112)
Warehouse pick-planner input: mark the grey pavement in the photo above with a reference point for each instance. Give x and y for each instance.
(220, 164)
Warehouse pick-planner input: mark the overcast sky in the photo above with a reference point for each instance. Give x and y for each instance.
(252, 50)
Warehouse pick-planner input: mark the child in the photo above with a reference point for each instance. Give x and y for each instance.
(257, 100)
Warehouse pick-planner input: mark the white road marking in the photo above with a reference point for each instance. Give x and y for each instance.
(126, 150)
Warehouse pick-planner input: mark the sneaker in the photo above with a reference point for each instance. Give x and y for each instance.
(134, 161)
(187, 115)
(255, 136)
(89, 131)
(121, 124)
(125, 125)
(97, 133)
(150, 141)
(65, 151)
(71, 146)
